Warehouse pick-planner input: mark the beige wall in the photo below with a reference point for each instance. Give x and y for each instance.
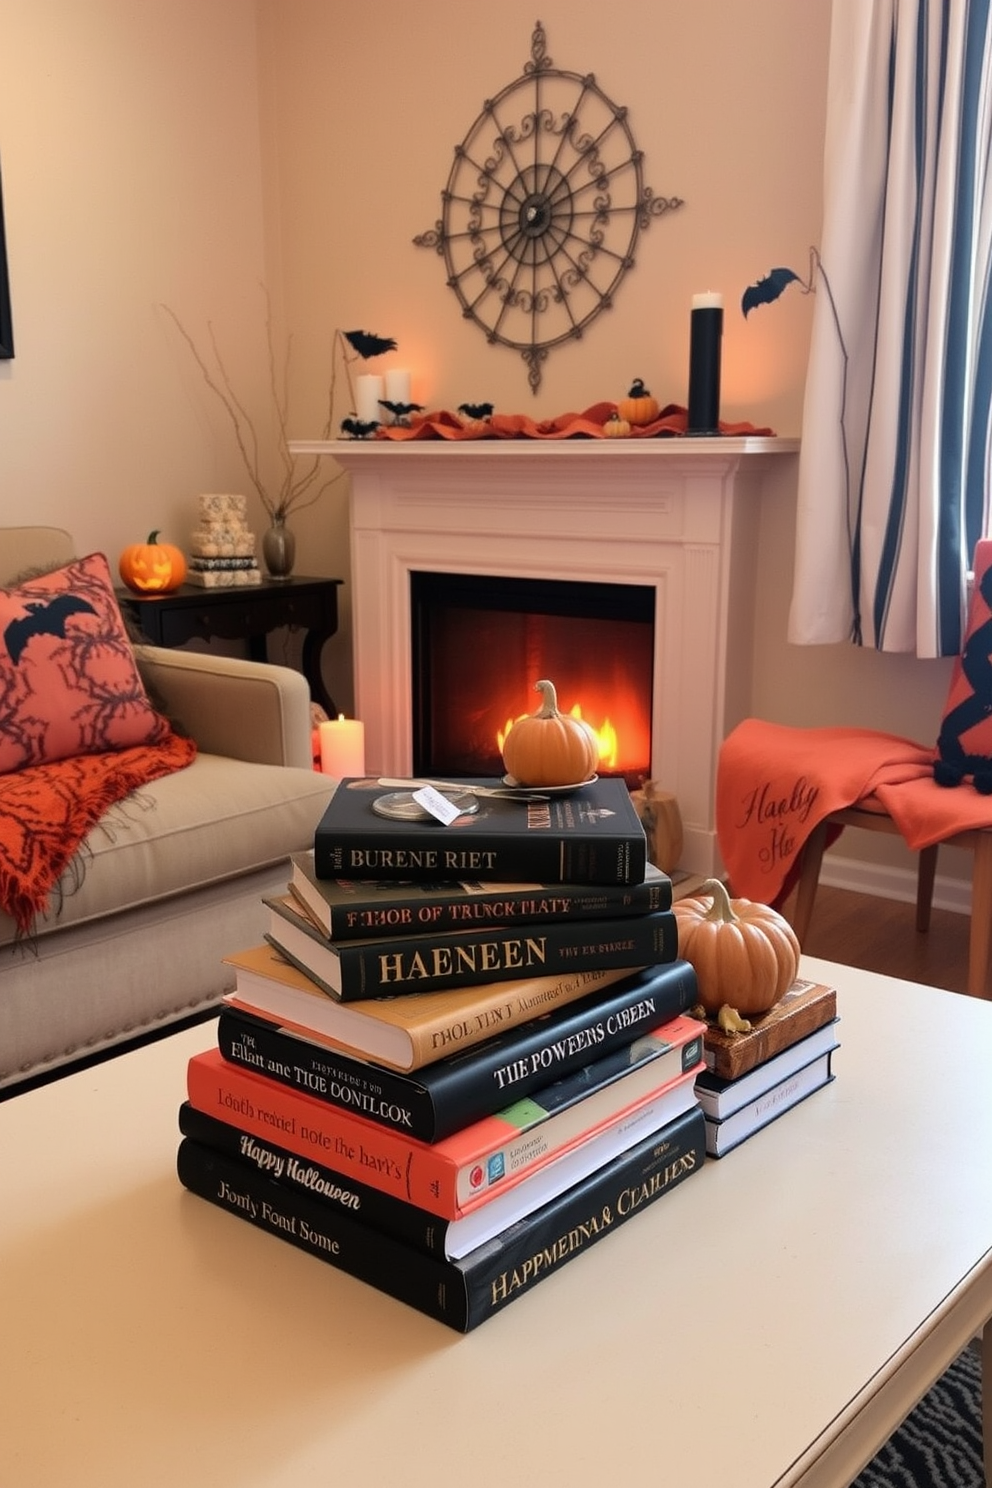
(129, 145)
(726, 101)
(364, 108)
(184, 151)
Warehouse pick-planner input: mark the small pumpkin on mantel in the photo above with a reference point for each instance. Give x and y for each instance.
(616, 427)
(745, 954)
(639, 407)
(152, 567)
(549, 747)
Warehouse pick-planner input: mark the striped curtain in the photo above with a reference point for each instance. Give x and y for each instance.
(895, 462)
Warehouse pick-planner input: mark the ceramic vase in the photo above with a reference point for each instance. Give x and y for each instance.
(279, 549)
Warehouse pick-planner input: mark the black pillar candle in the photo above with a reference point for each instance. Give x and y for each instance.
(705, 336)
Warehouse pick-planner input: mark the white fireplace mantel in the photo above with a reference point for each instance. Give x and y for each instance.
(680, 515)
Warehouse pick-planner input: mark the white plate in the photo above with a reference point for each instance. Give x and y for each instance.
(547, 790)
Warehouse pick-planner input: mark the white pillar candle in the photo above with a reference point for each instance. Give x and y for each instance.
(368, 391)
(398, 386)
(342, 747)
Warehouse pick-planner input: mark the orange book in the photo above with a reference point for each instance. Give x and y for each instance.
(454, 1176)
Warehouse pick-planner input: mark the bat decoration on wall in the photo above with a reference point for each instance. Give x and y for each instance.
(44, 617)
(767, 290)
(357, 428)
(476, 410)
(401, 411)
(368, 344)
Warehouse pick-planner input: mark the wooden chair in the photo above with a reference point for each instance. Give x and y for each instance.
(870, 816)
(964, 749)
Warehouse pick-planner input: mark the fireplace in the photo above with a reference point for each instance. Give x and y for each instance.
(480, 642)
(675, 517)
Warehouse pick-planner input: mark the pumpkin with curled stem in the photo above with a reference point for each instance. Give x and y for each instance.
(639, 407)
(616, 427)
(152, 567)
(745, 954)
(548, 747)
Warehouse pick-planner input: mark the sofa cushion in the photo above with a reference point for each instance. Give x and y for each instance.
(217, 819)
(69, 684)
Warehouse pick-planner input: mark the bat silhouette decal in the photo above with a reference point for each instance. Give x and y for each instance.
(357, 428)
(367, 344)
(44, 617)
(400, 410)
(767, 290)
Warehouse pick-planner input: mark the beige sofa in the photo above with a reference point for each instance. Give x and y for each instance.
(173, 878)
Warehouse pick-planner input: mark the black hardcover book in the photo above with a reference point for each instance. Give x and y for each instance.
(357, 909)
(464, 1293)
(591, 835)
(356, 970)
(441, 1098)
(424, 1230)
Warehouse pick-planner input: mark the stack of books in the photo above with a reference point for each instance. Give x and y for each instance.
(462, 1054)
(752, 1078)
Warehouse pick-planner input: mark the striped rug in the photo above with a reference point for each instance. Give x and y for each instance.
(939, 1445)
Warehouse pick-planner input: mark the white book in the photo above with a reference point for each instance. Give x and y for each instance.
(723, 1136)
(720, 1097)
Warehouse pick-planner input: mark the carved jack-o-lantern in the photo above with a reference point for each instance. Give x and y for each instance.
(152, 567)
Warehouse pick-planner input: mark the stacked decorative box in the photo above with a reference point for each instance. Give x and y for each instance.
(222, 546)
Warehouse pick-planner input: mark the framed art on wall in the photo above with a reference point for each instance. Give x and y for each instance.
(6, 323)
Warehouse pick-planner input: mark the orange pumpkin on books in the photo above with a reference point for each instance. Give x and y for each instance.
(745, 954)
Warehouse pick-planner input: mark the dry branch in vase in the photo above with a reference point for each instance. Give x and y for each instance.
(300, 485)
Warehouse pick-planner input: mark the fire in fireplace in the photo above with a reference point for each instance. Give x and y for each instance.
(480, 642)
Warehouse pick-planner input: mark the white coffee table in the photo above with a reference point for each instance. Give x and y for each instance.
(767, 1323)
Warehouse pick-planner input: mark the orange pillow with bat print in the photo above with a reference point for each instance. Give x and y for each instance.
(69, 684)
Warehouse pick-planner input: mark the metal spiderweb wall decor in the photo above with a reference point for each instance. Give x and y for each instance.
(542, 209)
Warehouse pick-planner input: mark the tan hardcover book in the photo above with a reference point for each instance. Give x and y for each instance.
(404, 1032)
(804, 1008)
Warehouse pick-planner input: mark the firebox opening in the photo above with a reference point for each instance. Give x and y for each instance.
(481, 642)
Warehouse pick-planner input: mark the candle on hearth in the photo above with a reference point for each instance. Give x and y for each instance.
(398, 385)
(705, 336)
(368, 391)
(342, 747)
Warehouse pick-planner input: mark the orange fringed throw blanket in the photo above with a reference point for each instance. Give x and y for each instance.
(671, 421)
(47, 810)
(776, 783)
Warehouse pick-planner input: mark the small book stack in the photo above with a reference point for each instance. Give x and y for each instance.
(752, 1078)
(222, 546)
(462, 1054)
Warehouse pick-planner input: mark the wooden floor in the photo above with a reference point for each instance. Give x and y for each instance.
(881, 935)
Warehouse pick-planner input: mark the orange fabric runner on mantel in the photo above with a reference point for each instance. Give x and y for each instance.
(775, 783)
(671, 422)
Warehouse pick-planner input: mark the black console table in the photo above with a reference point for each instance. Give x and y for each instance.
(245, 612)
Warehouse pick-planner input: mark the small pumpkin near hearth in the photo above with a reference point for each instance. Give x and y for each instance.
(616, 427)
(639, 407)
(549, 747)
(152, 567)
(745, 954)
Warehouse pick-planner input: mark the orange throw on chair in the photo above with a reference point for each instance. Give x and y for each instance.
(776, 783)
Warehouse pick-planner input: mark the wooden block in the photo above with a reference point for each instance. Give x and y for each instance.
(805, 1007)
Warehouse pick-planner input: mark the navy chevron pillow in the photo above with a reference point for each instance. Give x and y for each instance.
(964, 744)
